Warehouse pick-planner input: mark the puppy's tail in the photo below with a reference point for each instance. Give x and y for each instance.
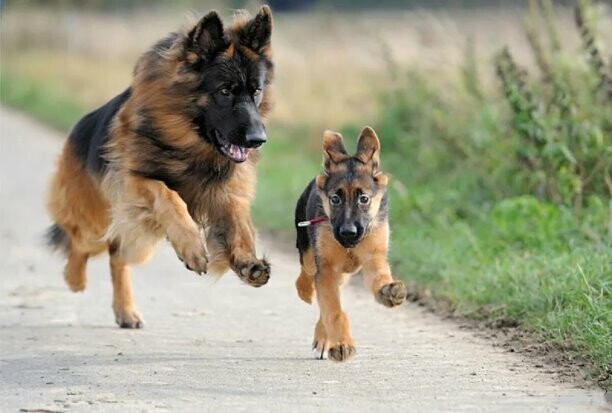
(57, 239)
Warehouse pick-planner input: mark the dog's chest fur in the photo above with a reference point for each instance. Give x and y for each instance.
(343, 259)
(206, 181)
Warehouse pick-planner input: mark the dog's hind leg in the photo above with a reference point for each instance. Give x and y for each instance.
(305, 282)
(80, 217)
(126, 315)
(75, 272)
(334, 320)
(305, 286)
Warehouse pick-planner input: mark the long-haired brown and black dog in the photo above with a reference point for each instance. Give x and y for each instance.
(347, 206)
(173, 156)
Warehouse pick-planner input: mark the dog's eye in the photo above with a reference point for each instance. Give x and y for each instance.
(364, 199)
(257, 91)
(225, 91)
(334, 200)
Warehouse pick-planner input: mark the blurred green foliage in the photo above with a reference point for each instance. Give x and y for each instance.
(41, 99)
(500, 198)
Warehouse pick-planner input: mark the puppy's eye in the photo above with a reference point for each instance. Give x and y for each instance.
(225, 91)
(257, 92)
(364, 199)
(334, 200)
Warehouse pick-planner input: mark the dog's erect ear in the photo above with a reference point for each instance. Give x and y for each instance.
(258, 31)
(206, 38)
(368, 148)
(333, 149)
(321, 180)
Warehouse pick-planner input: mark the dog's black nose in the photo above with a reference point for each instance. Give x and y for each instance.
(348, 231)
(256, 138)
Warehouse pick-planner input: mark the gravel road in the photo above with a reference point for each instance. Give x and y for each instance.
(221, 345)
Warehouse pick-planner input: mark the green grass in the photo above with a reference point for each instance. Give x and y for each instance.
(524, 260)
(41, 99)
(284, 171)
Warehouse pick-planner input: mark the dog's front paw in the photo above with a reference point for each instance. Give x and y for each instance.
(192, 252)
(255, 273)
(128, 318)
(341, 352)
(392, 294)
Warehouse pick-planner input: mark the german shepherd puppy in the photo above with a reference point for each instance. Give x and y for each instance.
(173, 156)
(350, 200)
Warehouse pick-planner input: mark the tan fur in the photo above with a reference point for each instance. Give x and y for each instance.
(305, 282)
(123, 302)
(76, 206)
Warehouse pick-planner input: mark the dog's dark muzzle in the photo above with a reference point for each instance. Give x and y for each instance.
(255, 131)
(255, 137)
(349, 235)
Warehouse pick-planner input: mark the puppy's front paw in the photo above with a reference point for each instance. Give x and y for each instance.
(191, 250)
(341, 352)
(128, 318)
(256, 273)
(392, 294)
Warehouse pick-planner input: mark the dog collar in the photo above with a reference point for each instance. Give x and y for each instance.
(312, 222)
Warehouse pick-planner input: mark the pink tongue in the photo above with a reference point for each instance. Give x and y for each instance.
(239, 153)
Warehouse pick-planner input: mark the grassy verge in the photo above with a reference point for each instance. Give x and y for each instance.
(519, 261)
(500, 201)
(44, 100)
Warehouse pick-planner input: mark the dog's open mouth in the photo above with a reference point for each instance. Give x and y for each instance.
(234, 152)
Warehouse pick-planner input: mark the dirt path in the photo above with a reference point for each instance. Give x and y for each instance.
(221, 346)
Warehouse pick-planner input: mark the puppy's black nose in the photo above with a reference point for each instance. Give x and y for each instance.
(348, 231)
(256, 138)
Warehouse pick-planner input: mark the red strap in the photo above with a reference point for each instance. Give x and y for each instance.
(312, 221)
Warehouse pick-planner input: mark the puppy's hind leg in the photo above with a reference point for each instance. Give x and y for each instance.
(305, 286)
(305, 282)
(341, 346)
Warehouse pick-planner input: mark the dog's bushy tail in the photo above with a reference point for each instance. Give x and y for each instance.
(57, 239)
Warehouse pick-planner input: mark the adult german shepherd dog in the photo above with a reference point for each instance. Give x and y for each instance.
(349, 203)
(173, 156)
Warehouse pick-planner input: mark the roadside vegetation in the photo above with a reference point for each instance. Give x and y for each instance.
(501, 181)
(501, 195)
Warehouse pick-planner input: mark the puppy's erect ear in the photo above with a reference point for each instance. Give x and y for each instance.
(258, 31)
(333, 149)
(206, 38)
(368, 148)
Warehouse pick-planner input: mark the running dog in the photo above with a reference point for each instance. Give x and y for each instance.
(342, 227)
(173, 156)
